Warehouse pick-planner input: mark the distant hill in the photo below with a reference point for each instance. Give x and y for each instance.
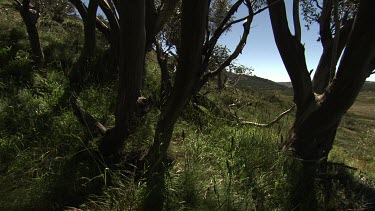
(368, 86)
(254, 82)
(287, 84)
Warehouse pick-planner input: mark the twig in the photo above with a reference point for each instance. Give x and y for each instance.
(270, 123)
(342, 165)
(86, 119)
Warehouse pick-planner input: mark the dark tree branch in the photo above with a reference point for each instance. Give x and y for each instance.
(108, 9)
(166, 83)
(247, 22)
(110, 13)
(17, 3)
(82, 10)
(322, 75)
(227, 26)
(318, 5)
(30, 16)
(270, 123)
(343, 165)
(86, 119)
(168, 7)
(336, 40)
(209, 46)
(354, 67)
(241, 44)
(208, 32)
(325, 23)
(296, 20)
(292, 54)
(156, 19)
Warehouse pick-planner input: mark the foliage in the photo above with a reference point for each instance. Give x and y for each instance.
(311, 11)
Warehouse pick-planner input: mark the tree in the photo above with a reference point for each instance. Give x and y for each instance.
(321, 103)
(57, 10)
(193, 25)
(195, 51)
(126, 36)
(84, 64)
(30, 15)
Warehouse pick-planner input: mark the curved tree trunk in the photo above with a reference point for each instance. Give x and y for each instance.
(318, 116)
(30, 18)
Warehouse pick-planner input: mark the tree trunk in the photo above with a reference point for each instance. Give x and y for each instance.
(308, 139)
(158, 165)
(114, 40)
(318, 116)
(220, 83)
(30, 18)
(166, 82)
(132, 53)
(84, 64)
(194, 14)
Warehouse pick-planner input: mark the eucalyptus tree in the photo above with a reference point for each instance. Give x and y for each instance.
(84, 64)
(32, 10)
(195, 50)
(322, 101)
(56, 10)
(129, 32)
(30, 14)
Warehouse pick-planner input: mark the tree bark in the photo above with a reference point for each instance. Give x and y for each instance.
(194, 14)
(30, 18)
(312, 135)
(82, 10)
(166, 82)
(114, 33)
(132, 52)
(323, 74)
(292, 54)
(84, 64)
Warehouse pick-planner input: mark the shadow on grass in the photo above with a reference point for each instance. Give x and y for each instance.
(338, 188)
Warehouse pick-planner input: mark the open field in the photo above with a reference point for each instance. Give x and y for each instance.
(356, 136)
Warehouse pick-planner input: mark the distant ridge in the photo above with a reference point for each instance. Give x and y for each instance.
(287, 84)
(369, 86)
(254, 82)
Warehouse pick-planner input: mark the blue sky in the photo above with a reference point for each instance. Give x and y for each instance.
(261, 52)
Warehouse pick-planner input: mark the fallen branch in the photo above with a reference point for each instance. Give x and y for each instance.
(342, 165)
(86, 119)
(270, 123)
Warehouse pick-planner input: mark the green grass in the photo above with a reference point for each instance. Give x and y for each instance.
(356, 136)
(48, 160)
